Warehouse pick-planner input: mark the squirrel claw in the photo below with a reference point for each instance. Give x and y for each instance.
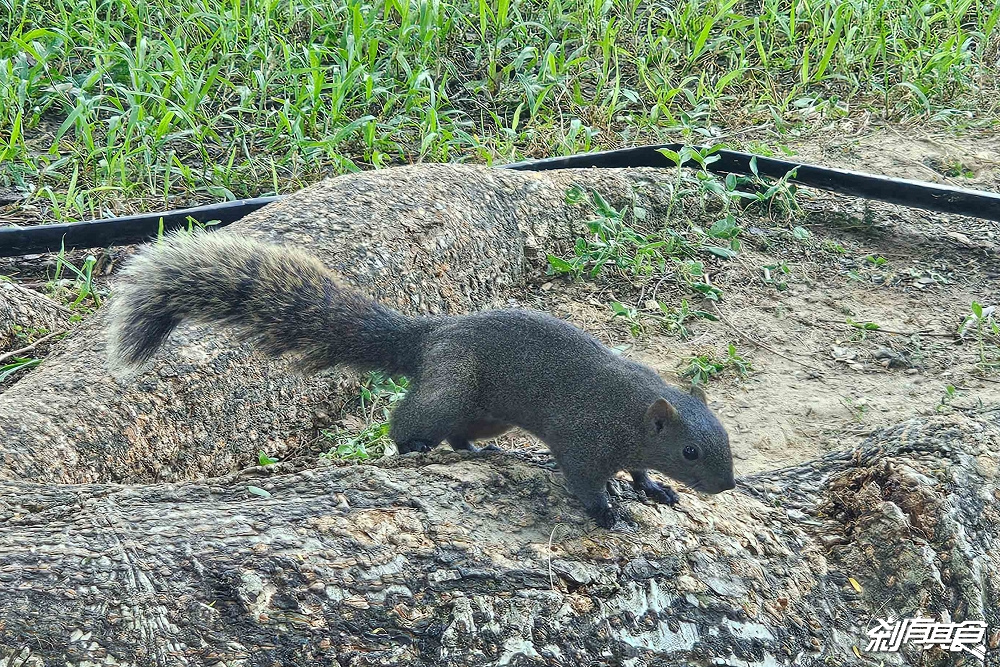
(604, 516)
(664, 495)
(420, 446)
(613, 518)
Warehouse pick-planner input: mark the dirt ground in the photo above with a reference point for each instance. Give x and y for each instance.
(818, 383)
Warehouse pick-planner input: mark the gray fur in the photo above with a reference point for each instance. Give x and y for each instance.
(472, 376)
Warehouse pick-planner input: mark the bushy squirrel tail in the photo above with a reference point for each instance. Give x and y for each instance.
(282, 300)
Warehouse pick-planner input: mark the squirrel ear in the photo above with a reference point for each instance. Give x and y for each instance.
(659, 414)
(699, 393)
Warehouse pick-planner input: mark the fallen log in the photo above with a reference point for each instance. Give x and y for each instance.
(447, 558)
(459, 559)
(26, 316)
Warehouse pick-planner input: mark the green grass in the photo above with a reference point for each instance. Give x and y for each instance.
(377, 395)
(697, 232)
(704, 367)
(112, 106)
(660, 315)
(622, 241)
(11, 366)
(984, 327)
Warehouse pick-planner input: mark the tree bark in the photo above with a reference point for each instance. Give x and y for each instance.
(26, 316)
(458, 559)
(447, 558)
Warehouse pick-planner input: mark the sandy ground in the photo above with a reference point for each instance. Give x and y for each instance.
(817, 382)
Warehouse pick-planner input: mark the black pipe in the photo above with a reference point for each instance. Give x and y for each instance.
(119, 231)
(905, 192)
(916, 194)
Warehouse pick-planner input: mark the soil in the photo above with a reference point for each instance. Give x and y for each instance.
(817, 383)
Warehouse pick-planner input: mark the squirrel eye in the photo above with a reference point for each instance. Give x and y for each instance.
(690, 453)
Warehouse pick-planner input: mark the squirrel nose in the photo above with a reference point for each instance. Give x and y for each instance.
(726, 484)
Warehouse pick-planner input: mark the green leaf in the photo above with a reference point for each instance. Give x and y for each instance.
(708, 291)
(17, 364)
(346, 131)
(257, 491)
(264, 459)
(801, 233)
(725, 253)
(670, 155)
(867, 326)
(560, 265)
(574, 195)
(517, 117)
(603, 207)
(724, 228)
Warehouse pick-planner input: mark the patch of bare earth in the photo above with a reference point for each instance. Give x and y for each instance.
(818, 383)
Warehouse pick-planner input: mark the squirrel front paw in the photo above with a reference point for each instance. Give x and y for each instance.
(664, 495)
(420, 446)
(653, 490)
(604, 517)
(610, 517)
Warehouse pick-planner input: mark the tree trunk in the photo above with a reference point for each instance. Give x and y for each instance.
(26, 316)
(458, 559)
(447, 558)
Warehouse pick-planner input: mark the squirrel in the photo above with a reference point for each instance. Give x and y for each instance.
(471, 376)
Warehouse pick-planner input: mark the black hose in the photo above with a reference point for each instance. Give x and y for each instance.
(915, 194)
(119, 231)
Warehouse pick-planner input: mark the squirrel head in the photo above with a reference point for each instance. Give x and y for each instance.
(684, 440)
